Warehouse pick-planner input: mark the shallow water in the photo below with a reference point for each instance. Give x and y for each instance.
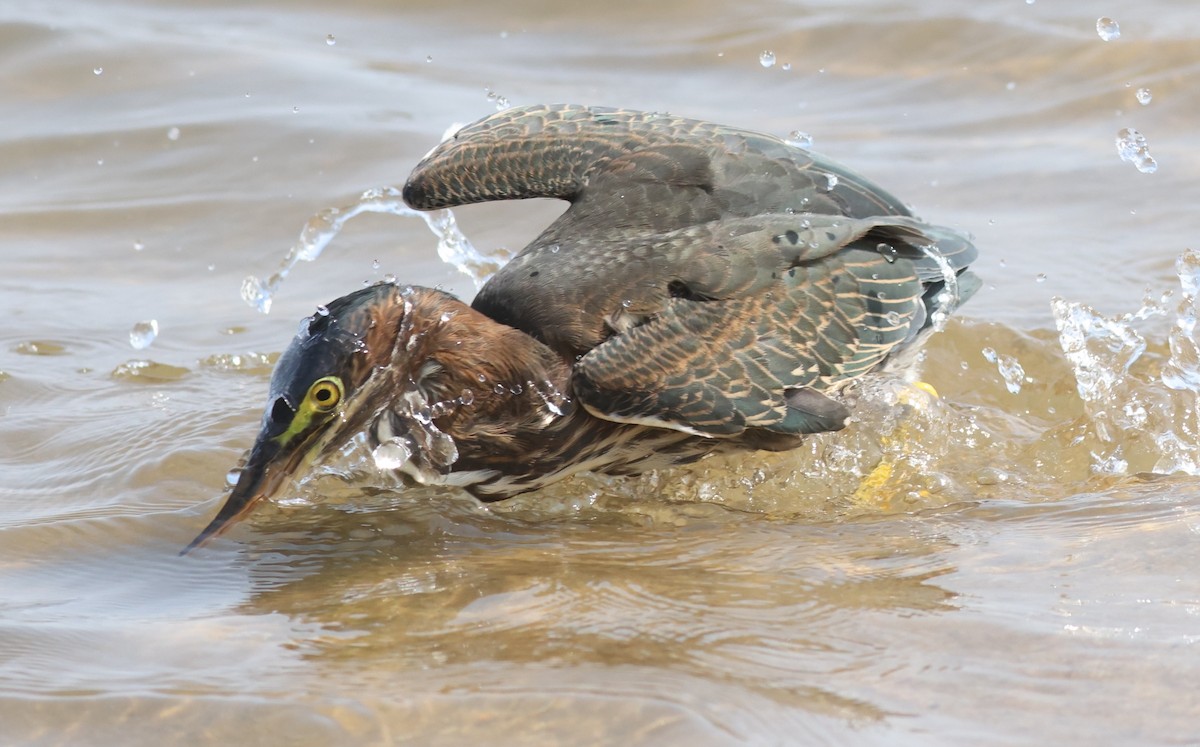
(993, 566)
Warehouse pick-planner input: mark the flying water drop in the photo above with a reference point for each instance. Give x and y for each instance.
(767, 58)
(799, 139)
(1010, 369)
(143, 333)
(1108, 29)
(1132, 147)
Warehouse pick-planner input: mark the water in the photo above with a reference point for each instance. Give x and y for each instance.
(1132, 147)
(1108, 29)
(1011, 560)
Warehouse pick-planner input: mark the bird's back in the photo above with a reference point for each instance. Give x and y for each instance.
(712, 279)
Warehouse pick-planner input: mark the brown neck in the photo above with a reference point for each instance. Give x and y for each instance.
(506, 400)
(503, 393)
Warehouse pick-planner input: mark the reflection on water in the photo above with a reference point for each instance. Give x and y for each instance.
(1011, 561)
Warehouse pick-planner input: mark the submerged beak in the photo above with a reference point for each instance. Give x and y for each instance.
(268, 468)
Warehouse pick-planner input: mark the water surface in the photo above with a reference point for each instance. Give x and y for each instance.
(1022, 570)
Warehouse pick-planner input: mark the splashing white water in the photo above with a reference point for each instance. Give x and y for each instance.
(453, 247)
(1119, 404)
(1010, 369)
(948, 298)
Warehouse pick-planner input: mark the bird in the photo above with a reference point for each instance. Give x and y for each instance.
(709, 289)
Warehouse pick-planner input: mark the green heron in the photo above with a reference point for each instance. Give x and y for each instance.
(708, 289)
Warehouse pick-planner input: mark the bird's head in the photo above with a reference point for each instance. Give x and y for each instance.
(349, 362)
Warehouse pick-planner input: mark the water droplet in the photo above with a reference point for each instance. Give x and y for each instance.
(295, 110)
(1010, 369)
(374, 264)
(173, 133)
(232, 476)
(799, 139)
(1144, 96)
(143, 333)
(1041, 278)
(466, 398)
(888, 251)
(893, 318)
(256, 293)
(1108, 29)
(501, 102)
(767, 58)
(1011, 85)
(1132, 147)
(98, 71)
(429, 58)
(786, 66)
(138, 246)
(322, 310)
(828, 183)
(500, 389)
(555, 248)
(330, 40)
(391, 454)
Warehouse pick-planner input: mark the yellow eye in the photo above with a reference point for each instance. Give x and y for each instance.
(325, 393)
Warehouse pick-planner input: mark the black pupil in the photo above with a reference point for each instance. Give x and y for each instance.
(324, 394)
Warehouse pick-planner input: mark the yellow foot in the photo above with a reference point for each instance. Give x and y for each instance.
(874, 489)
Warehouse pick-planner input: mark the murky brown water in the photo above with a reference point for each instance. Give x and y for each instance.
(1020, 569)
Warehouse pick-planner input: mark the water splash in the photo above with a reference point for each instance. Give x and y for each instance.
(1100, 351)
(1010, 369)
(1182, 370)
(1158, 412)
(453, 247)
(391, 454)
(948, 299)
(1132, 147)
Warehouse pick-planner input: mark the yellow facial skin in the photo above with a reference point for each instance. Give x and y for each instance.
(322, 398)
